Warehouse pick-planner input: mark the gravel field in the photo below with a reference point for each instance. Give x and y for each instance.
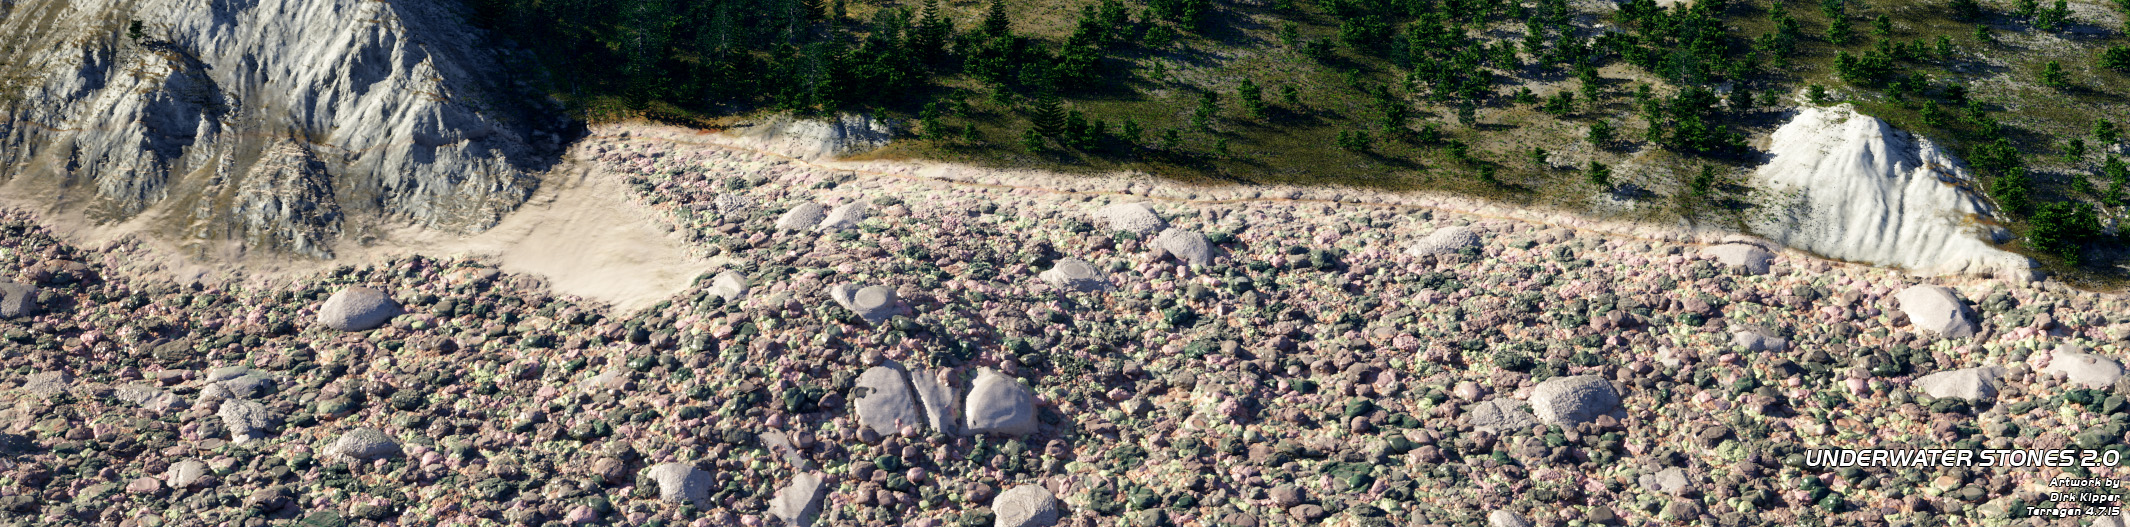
(932, 346)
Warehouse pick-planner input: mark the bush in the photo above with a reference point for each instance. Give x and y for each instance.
(2116, 58)
(2060, 228)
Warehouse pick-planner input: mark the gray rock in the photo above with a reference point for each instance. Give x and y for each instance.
(357, 309)
(939, 393)
(1973, 384)
(1750, 258)
(1506, 518)
(729, 285)
(1573, 400)
(805, 216)
(1669, 481)
(778, 444)
(887, 403)
(249, 385)
(137, 393)
(1938, 310)
(875, 304)
(48, 383)
(1025, 506)
(364, 444)
(1131, 217)
(1189, 247)
(846, 216)
(729, 202)
(999, 404)
(1075, 275)
(246, 420)
(1499, 414)
(17, 300)
(184, 473)
(2086, 369)
(226, 373)
(1756, 341)
(799, 502)
(1445, 240)
(682, 482)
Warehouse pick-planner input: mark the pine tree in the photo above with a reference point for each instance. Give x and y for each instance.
(2052, 75)
(1839, 32)
(996, 24)
(1208, 106)
(1600, 175)
(1703, 182)
(1252, 98)
(2074, 150)
(1601, 134)
(2106, 132)
(2116, 58)
(1290, 95)
(1032, 140)
(1538, 158)
(1047, 116)
(1882, 26)
(1131, 130)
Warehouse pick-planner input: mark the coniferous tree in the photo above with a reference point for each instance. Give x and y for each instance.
(1208, 106)
(1538, 158)
(1252, 98)
(1032, 140)
(1704, 182)
(1600, 175)
(1047, 116)
(2052, 75)
(1601, 134)
(1290, 95)
(2106, 132)
(2074, 150)
(996, 24)
(2116, 58)
(1839, 32)
(1130, 131)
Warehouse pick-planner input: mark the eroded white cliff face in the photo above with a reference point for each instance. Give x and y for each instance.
(273, 122)
(1852, 187)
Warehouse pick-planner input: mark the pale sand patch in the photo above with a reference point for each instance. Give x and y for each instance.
(579, 232)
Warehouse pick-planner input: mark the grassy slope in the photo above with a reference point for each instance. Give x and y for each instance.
(1158, 88)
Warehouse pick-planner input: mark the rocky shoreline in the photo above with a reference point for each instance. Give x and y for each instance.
(939, 346)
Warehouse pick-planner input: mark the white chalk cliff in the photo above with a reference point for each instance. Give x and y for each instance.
(270, 122)
(1852, 187)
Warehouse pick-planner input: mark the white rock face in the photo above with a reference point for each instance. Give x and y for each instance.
(269, 122)
(1854, 188)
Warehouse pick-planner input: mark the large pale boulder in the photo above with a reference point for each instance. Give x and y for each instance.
(1446, 240)
(1131, 217)
(1188, 247)
(1573, 400)
(1025, 506)
(1748, 258)
(357, 309)
(1937, 310)
(1000, 405)
(805, 216)
(682, 482)
(2083, 368)
(1973, 384)
(1075, 275)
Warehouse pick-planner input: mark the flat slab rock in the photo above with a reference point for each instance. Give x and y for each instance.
(876, 304)
(1573, 400)
(1445, 240)
(2086, 369)
(357, 309)
(682, 482)
(1499, 414)
(846, 216)
(1671, 481)
(1937, 310)
(888, 403)
(1756, 340)
(17, 300)
(1506, 518)
(246, 420)
(1025, 506)
(1136, 218)
(1075, 275)
(941, 398)
(1749, 258)
(364, 444)
(1973, 384)
(799, 502)
(1000, 405)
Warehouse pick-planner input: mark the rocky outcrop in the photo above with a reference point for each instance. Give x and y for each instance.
(271, 123)
(1852, 187)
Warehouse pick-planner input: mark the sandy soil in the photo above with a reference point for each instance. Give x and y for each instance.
(578, 232)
